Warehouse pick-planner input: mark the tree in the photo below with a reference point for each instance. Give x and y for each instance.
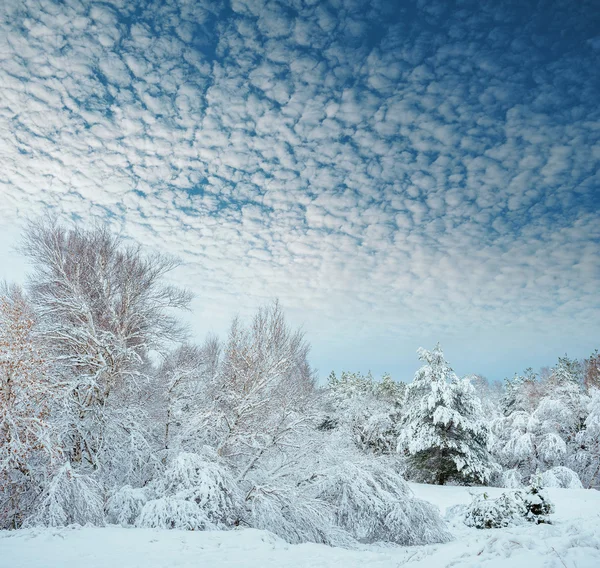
(102, 307)
(369, 410)
(592, 371)
(25, 388)
(183, 378)
(587, 456)
(255, 401)
(445, 435)
(540, 432)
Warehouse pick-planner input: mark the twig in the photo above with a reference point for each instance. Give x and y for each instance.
(559, 557)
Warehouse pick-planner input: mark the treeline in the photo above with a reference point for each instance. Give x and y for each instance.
(471, 431)
(109, 414)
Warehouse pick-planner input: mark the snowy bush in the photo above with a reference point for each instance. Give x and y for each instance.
(511, 479)
(537, 502)
(125, 506)
(510, 508)
(373, 503)
(294, 517)
(174, 513)
(507, 510)
(211, 494)
(203, 480)
(561, 476)
(70, 498)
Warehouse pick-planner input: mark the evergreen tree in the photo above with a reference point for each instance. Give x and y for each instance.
(445, 435)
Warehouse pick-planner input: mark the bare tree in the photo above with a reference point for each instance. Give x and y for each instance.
(592, 371)
(183, 379)
(254, 402)
(102, 306)
(25, 441)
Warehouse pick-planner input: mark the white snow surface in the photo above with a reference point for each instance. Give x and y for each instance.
(572, 541)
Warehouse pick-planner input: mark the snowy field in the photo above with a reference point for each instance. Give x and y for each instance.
(572, 541)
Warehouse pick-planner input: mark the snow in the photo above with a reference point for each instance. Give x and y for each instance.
(572, 541)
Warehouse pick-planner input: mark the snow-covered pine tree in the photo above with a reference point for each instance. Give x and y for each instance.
(445, 433)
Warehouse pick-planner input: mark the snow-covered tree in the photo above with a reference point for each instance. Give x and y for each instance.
(69, 498)
(445, 433)
(592, 371)
(182, 378)
(257, 399)
(586, 458)
(26, 445)
(372, 501)
(101, 306)
(370, 409)
(539, 433)
(196, 491)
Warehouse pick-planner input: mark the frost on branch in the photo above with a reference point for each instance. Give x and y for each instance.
(70, 498)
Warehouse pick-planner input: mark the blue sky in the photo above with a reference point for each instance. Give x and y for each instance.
(396, 173)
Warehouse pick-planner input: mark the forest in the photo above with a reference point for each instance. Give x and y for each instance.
(111, 414)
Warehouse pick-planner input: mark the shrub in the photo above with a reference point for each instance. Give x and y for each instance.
(561, 476)
(173, 513)
(510, 508)
(507, 510)
(125, 506)
(70, 498)
(196, 485)
(374, 503)
(294, 517)
(537, 502)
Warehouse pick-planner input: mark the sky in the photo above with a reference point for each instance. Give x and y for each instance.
(395, 173)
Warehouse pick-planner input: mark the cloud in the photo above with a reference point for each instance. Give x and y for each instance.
(403, 173)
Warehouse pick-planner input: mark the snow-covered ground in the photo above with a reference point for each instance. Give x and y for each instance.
(572, 541)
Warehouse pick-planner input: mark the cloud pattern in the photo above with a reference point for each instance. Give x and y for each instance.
(395, 173)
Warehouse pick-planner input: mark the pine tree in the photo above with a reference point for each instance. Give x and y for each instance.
(445, 435)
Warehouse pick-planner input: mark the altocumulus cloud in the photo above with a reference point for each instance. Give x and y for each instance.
(394, 172)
